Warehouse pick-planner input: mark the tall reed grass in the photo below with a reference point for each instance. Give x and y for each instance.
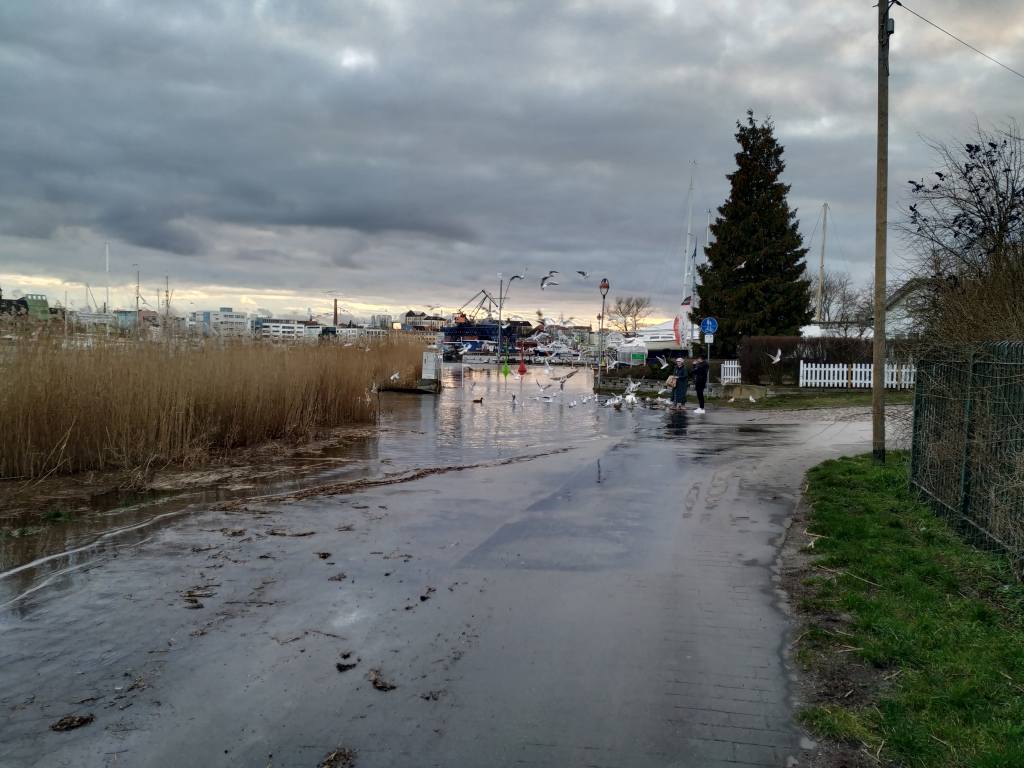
(117, 404)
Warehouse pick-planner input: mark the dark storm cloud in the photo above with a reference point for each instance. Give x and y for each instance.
(420, 148)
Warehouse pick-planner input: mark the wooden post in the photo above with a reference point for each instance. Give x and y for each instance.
(881, 222)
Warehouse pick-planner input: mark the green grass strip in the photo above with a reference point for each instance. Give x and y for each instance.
(936, 625)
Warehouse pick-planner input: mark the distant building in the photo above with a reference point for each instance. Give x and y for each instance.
(434, 323)
(227, 322)
(130, 318)
(222, 322)
(37, 306)
(381, 321)
(32, 305)
(94, 319)
(421, 321)
(278, 329)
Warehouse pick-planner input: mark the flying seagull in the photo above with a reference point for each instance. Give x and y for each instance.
(751, 398)
(545, 281)
(663, 362)
(581, 273)
(562, 379)
(542, 387)
(742, 264)
(776, 357)
(396, 376)
(517, 277)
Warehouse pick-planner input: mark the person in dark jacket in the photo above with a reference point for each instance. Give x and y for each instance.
(682, 383)
(700, 381)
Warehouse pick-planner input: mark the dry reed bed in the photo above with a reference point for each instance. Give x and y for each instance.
(123, 405)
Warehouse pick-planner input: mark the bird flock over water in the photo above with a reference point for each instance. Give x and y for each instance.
(548, 392)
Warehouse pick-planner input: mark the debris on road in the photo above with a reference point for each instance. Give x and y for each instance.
(377, 681)
(70, 722)
(345, 666)
(339, 758)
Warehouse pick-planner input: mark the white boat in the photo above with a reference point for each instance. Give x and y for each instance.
(661, 336)
(555, 348)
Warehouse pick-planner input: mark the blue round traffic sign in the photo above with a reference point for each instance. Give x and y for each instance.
(709, 325)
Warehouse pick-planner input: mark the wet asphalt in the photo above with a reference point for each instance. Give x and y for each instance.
(599, 596)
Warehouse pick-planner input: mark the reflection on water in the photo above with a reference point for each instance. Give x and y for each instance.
(676, 423)
(414, 432)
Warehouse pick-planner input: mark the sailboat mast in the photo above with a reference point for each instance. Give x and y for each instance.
(821, 261)
(688, 276)
(106, 303)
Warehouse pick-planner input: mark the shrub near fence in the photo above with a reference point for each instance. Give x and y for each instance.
(967, 457)
(755, 365)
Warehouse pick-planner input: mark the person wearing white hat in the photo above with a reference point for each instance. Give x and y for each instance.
(680, 385)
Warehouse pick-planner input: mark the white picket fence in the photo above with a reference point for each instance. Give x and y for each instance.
(730, 372)
(855, 376)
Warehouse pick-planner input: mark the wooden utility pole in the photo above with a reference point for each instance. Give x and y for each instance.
(885, 30)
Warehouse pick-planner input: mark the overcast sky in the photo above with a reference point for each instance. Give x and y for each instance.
(263, 153)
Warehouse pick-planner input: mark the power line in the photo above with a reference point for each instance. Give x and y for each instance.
(959, 40)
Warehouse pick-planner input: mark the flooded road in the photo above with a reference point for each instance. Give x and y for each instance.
(415, 432)
(556, 586)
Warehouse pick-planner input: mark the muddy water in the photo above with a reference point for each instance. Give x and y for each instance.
(414, 433)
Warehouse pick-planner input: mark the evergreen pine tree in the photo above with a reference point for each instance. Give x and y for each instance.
(753, 281)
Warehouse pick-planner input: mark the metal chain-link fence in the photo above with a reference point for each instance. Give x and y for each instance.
(967, 456)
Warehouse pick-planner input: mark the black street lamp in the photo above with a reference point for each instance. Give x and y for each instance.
(603, 286)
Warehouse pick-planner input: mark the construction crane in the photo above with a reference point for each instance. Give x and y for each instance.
(486, 303)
